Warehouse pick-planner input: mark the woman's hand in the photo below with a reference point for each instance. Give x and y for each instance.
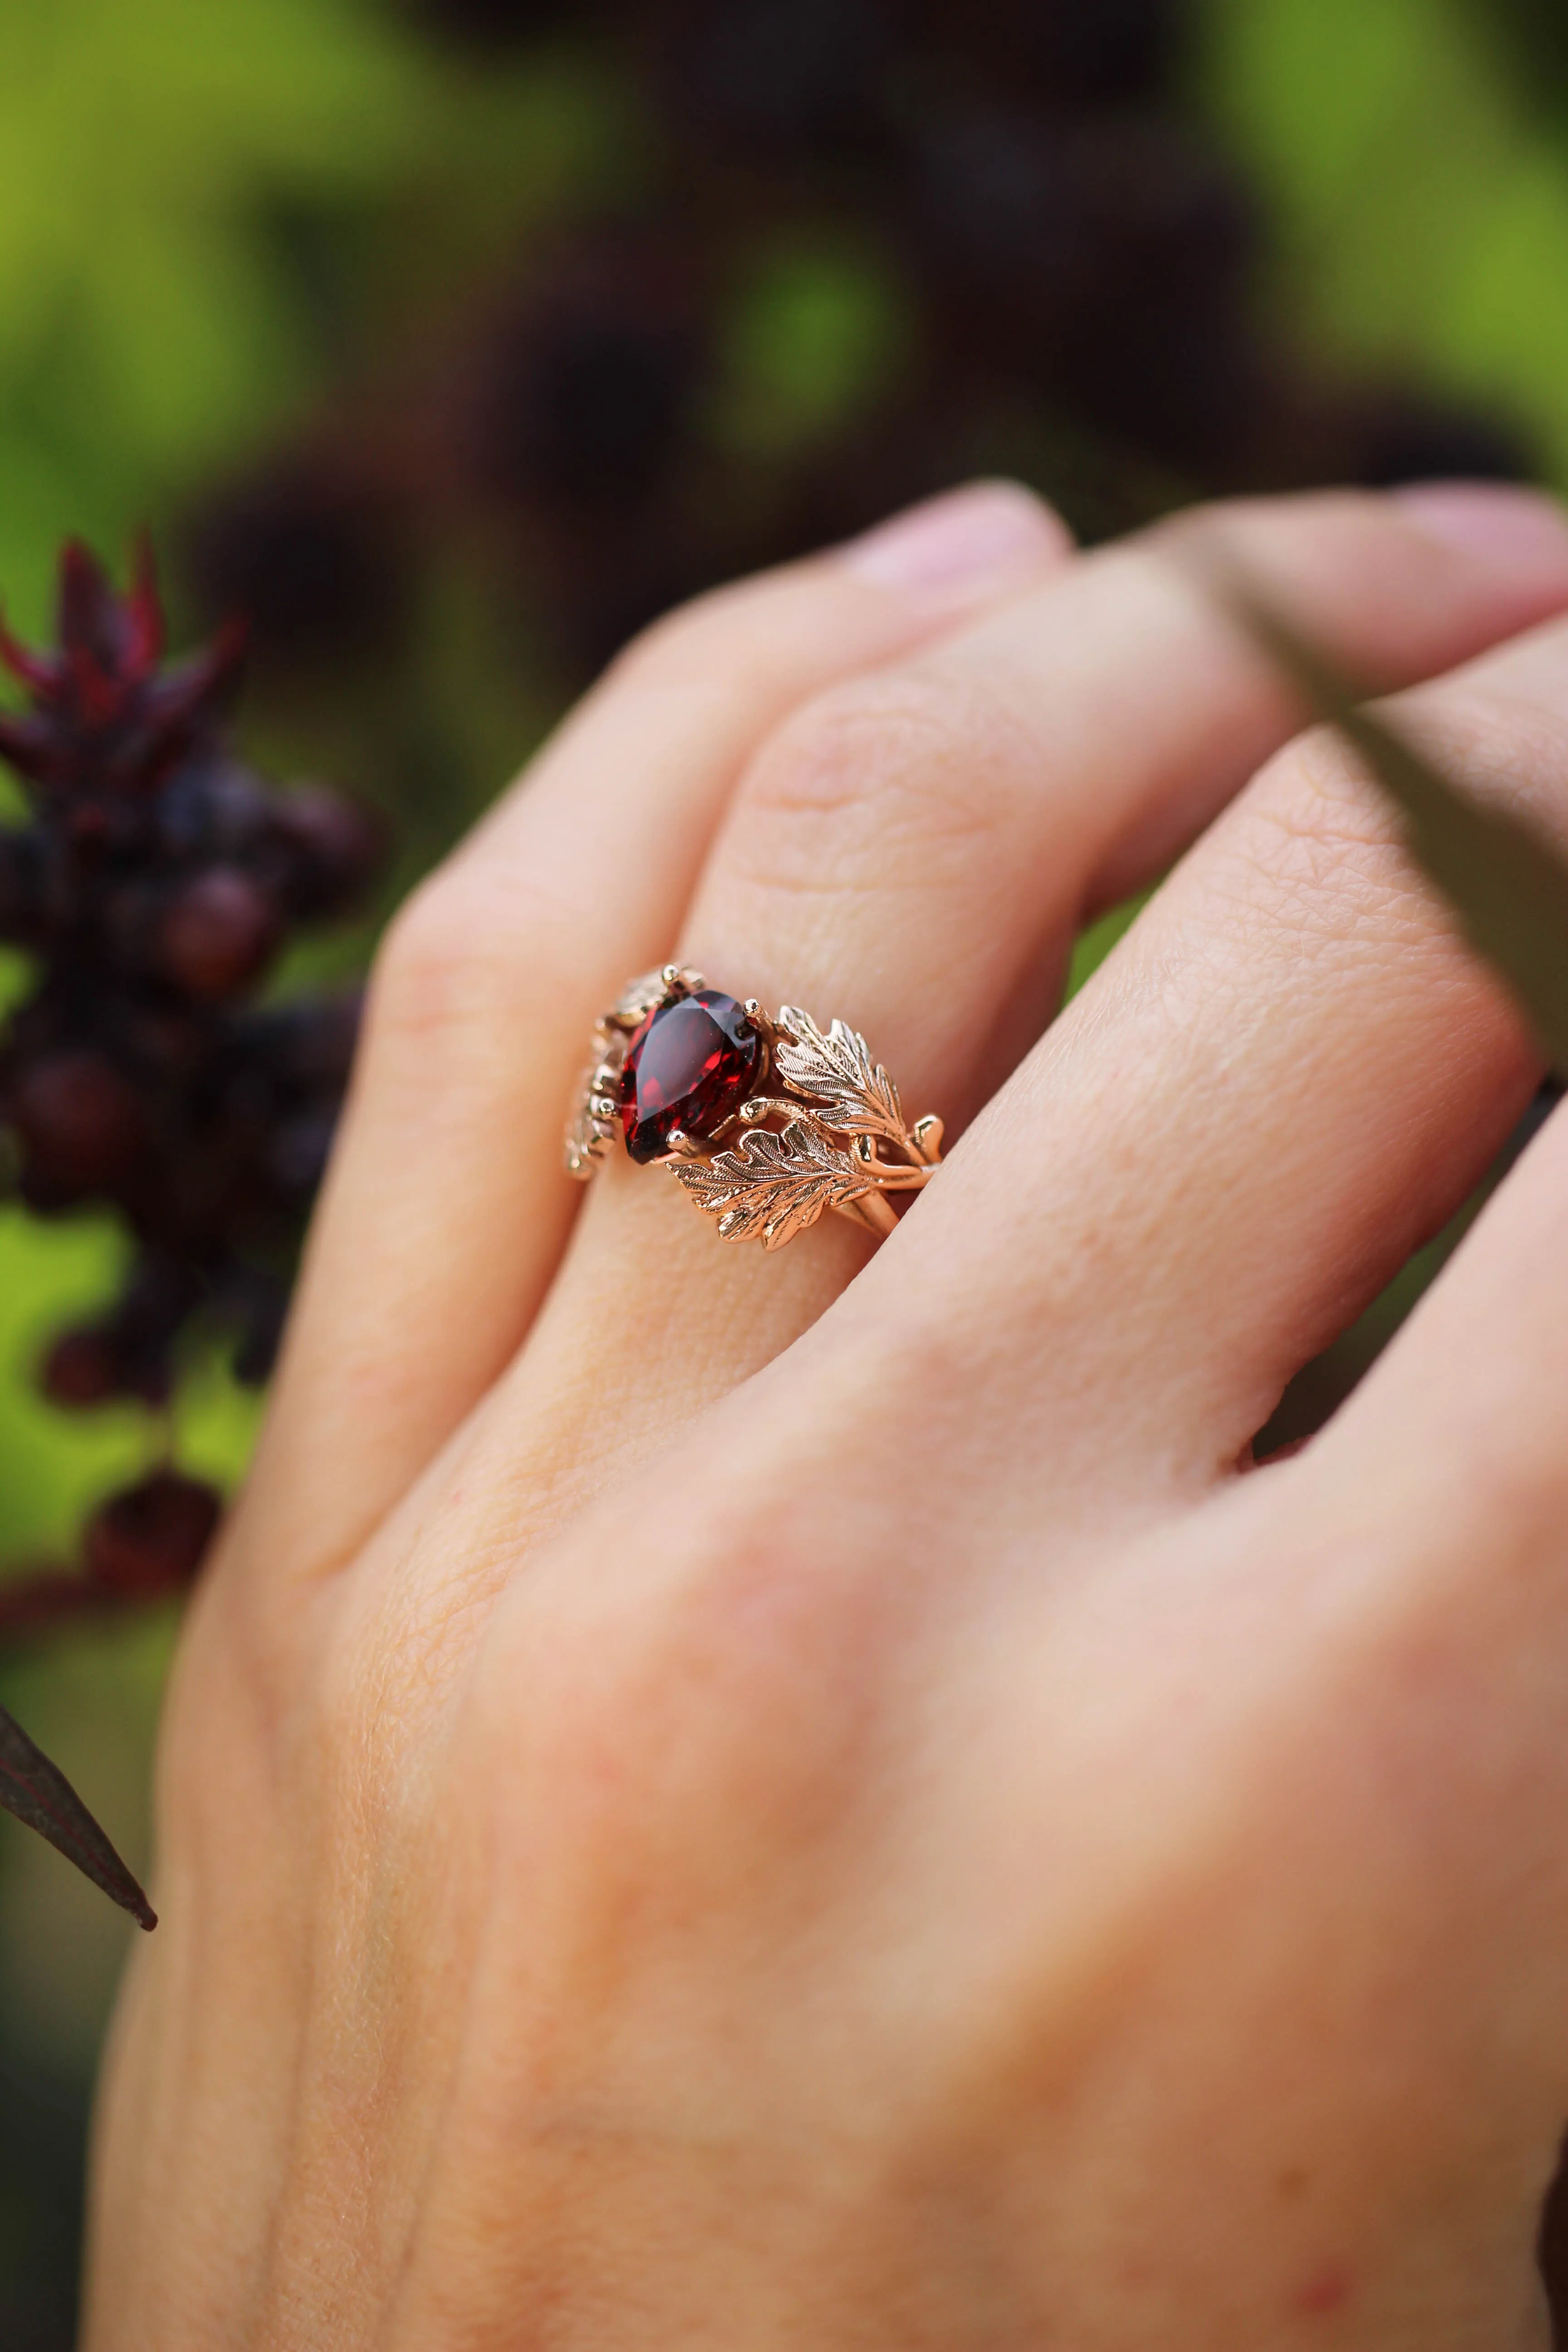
(718, 1800)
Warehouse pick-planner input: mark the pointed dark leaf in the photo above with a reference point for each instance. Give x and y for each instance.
(1506, 881)
(143, 612)
(36, 671)
(91, 622)
(191, 692)
(37, 1793)
(29, 746)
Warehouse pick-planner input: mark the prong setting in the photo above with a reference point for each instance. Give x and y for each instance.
(681, 1147)
(821, 1126)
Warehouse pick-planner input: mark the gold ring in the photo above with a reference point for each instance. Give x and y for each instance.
(680, 1069)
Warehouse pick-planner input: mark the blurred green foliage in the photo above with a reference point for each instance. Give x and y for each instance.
(1419, 200)
(187, 189)
(213, 213)
(815, 333)
(147, 329)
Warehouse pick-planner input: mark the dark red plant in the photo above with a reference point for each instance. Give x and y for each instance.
(153, 880)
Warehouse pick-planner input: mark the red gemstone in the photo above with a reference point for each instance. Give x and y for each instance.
(690, 1064)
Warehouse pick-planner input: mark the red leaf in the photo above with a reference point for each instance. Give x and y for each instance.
(143, 612)
(30, 746)
(35, 671)
(89, 618)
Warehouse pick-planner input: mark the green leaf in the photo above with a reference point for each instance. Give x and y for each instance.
(1506, 881)
(38, 1793)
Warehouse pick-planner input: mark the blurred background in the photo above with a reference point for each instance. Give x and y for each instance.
(450, 340)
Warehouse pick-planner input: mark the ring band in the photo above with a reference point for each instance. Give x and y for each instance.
(814, 1123)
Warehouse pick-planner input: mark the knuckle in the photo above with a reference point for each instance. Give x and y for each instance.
(1324, 849)
(442, 964)
(1318, 802)
(1322, 858)
(1500, 1502)
(722, 1725)
(1311, 526)
(892, 766)
(688, 641)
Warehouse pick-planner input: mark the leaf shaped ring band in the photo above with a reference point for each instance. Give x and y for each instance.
(767, 1121)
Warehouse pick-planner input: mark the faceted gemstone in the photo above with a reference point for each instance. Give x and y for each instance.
(690, 1064)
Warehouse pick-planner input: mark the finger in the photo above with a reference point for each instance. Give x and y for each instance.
(1289, 1076)
(912, 850)
(1465, 1417)
(445, 1209)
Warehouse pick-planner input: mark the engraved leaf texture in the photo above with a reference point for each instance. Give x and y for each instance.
(774, 1185)
(838, 1071)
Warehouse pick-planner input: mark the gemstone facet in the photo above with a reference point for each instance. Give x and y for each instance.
(691, 1065)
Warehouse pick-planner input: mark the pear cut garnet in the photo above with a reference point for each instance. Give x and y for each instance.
(691, 1065)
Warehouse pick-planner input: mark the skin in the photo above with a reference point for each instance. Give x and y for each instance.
(713, 1800)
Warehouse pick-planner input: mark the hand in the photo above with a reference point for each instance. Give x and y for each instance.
(718, 1800)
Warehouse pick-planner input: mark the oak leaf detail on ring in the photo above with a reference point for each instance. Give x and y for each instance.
(852, 1093)
(772, 1185)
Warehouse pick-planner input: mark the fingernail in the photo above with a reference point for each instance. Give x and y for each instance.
(960, 547)
(1501, 522)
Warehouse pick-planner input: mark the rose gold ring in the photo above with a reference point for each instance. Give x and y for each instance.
(680, 1069)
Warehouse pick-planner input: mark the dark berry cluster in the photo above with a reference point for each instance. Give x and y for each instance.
(1073, 262)
(152, 880)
